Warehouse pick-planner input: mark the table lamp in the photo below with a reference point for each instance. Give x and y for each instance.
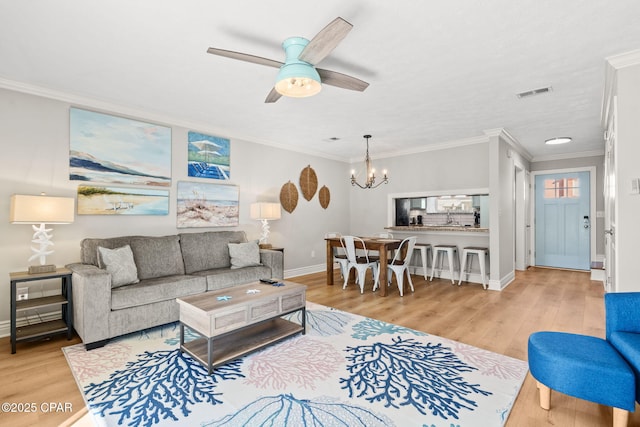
(265, 212)
(41, 210)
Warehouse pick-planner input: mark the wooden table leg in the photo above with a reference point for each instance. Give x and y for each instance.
(329, 263)
(383, 270)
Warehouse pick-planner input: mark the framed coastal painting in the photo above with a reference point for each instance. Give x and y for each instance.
(98, 200)
(208, 156)
(203, 204)
(116, 150)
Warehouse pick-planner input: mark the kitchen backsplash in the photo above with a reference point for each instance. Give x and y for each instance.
(441, 218)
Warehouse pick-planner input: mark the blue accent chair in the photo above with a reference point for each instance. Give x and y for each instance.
(623, 329)
(601, 371)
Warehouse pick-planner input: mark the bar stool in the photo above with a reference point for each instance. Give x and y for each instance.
(424, 248)
(449, 251)
(467, 253)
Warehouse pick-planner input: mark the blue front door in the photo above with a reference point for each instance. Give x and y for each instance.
(562, 220)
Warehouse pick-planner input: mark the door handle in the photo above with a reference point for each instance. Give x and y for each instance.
(609, 232)
(586, 223)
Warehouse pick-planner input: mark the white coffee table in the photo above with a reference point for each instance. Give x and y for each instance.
(239, 320)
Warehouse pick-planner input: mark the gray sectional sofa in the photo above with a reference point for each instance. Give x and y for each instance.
(164, 268)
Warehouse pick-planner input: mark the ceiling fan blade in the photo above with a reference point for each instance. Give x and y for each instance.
(325, 41)
(245, 57)
(272, 97)
(340, 80)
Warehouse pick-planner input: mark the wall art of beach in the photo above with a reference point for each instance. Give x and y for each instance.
(122, 201)
(207, 205)
(118, 150)
(208, 156)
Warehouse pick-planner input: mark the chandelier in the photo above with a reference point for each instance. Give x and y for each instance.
(371, 172)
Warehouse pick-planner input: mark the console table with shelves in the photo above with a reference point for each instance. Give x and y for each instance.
(46, 328)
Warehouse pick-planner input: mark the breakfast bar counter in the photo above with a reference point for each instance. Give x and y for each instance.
(457, 235)
(437, 229)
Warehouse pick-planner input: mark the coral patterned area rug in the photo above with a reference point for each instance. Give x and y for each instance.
(347, 370)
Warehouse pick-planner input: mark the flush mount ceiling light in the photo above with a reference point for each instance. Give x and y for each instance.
(371, 172)
(558, 140)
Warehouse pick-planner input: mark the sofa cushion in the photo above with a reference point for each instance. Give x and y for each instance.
(157, 256)
(89, 248)
(221, 278)
(119, 263)
(244, 254)
(155, 290)
(208, 250)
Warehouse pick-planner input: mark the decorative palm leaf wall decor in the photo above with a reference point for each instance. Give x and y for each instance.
(308, 182)
(324, 196)
(289, 196)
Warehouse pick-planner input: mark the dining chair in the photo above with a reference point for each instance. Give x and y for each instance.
(400, 264)
(339, 256)
(360, 263)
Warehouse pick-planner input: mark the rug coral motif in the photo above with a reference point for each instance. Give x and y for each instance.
(347, 370)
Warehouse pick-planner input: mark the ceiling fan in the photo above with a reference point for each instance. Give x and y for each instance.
(298, 77)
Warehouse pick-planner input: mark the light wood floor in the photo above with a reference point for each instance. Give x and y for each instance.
(539, 299)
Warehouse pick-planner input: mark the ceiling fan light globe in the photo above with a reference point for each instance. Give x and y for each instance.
(298, 80)
(296, 87)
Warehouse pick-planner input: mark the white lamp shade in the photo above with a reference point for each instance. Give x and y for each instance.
(41, 209)
(269, 211)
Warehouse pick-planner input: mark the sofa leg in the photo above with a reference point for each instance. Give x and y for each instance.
(620, 417)
(94, 345)
(545, 396)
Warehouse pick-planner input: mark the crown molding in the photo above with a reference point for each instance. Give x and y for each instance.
(623, 60)
(511, 140)
(81, 101)
(426, 148)
(593, 153)
(612, 65)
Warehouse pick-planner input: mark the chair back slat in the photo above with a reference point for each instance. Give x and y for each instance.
(409, 243)
(348, 242)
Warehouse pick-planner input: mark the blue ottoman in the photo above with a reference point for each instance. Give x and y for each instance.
(584, 367)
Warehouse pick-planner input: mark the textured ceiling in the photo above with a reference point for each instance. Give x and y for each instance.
(439, 72)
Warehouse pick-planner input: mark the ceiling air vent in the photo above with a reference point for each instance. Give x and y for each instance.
(534, 92)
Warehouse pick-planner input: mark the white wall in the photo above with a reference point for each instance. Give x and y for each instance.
(439, 170)
(627, 158)
(34, 136)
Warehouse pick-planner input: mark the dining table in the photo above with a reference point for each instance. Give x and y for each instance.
(382, 245)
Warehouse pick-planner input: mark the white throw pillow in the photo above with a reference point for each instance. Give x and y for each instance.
(244, 254)
(119, 263)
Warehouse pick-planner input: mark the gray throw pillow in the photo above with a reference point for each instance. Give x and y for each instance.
(119, 263)
(244, 254)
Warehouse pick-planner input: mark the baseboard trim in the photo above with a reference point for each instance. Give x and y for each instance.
(306, 270)
(498, 285)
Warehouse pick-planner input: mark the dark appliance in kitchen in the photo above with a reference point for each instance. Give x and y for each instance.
(402, 211)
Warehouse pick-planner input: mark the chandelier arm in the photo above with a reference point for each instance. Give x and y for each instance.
(354, 182)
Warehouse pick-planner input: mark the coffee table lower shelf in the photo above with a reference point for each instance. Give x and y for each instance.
(240, 342)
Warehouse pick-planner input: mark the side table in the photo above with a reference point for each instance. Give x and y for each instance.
(47, 328)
